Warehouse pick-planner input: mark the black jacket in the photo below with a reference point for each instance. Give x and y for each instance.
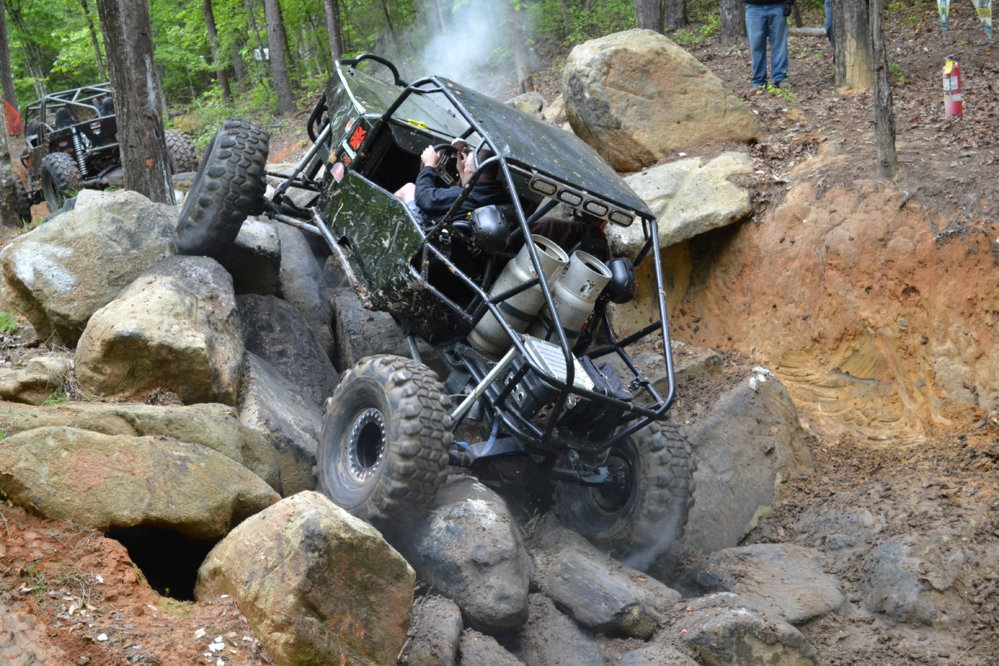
(435, 201)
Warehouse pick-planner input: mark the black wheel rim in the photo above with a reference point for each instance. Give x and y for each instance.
(365, 448)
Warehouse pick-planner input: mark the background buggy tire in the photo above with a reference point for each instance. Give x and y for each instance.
(180, 150)
(229, 186)
(383, 449)
(60, 178)
(651, 512)
(22, 201)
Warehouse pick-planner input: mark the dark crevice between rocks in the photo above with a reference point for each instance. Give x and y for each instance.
(169, 560)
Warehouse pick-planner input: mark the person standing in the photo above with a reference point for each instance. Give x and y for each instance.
(766, 21)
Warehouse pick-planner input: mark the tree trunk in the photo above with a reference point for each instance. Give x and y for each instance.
(851, 25)
(649, 14)
(213, 45)
(278, 46)
(334, 28)
(6, 76)
(521, 60)
(128, 38)
(884, 114)
(8, 193)
(733, 21)
(94, 41)
(674, 14)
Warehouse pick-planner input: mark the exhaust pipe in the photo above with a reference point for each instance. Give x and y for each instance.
(521, 309)
(575, 294)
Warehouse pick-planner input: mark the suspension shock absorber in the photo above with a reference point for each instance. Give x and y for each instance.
(78, 152)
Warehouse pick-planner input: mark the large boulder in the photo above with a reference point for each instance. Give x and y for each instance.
(784, 580)
(41, 378)
(175, 327)
(303, 284)
(61, 272)
(597, 592)
(435, 632)
(637, 97)
(470, 550)
(274, 407)
(208, 424)
(274, 330)
(747, 442)
(254, 260)
(104, 481)
(317, 585)
(724, 629)
(688, 198)
(550, 638)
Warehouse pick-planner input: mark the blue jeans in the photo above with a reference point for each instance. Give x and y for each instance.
(829, 33)
(767, 22)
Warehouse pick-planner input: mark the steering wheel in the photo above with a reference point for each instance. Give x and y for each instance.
(446, 169)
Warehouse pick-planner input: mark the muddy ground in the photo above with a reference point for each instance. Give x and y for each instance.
(72, 596)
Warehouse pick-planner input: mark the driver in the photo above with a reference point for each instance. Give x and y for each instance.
(428, 202)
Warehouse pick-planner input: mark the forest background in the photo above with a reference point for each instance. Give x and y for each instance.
(211, 55)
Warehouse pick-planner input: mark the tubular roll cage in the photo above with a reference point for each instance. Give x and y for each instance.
(313, 222)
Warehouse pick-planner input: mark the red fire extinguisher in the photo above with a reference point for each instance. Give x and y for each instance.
(953, 103)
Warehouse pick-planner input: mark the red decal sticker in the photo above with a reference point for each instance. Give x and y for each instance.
(357, 138)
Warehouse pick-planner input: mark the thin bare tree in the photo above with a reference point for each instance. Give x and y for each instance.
(138, 100)
(884, 114)
(277, 46)
(335, 29)
(213, 44)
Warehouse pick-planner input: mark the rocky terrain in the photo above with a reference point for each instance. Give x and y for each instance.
(855, 307)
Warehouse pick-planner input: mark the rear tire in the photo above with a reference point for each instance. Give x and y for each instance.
(180, 150)
(60, 177)
(383, 450)
(229, 186)
(637, 522)
(22, 201)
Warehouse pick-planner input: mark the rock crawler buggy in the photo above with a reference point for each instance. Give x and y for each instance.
(71, 140)
(522, 397)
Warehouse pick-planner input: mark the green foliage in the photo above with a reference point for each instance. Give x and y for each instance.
(582, 21)
(58, 397)
(784, 92)
(8, 322)
(689, 36)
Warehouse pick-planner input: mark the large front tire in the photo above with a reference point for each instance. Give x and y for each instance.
(60, 177)
(636, 522)
(229, 186)
(383, 449)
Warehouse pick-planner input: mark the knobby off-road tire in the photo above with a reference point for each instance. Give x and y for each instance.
(385, 437)
(229, 186)
(180, 150)
(22, 201)
(638, 522)
(60, 178)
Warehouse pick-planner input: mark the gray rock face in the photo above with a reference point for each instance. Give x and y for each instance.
(275, 331)
(469, 549)
(103, 481)
(36, 382)
(688, 198)
(599, 593)
(476, 649)
(551, 639)
(657, 654)
(316, 584)
(635, 96)
(724, 630)
(912, 581)
(530, 102)
(63, 271)
(746, 446)
(303, 285)
(208, 424)
(175, 327)
(435, 630)
(254, 260)
(273, 406)
(784, 580)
